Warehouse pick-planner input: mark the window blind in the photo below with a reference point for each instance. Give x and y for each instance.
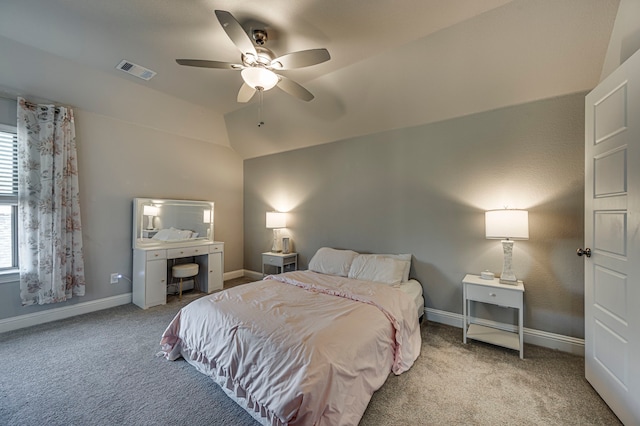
(8, 167)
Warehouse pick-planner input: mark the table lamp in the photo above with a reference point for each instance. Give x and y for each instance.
(507, 225)
(207, 218)
(151, 212)
(276, 221)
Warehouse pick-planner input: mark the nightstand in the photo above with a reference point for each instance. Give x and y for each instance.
(476, 289)
(283, 262)
(149, 233)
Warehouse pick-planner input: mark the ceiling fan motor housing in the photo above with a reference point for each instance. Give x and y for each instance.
(260, 37)
(264, 58)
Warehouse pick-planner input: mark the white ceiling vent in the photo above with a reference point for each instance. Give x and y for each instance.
(137, 70)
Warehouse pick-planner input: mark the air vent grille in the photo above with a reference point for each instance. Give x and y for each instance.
(136, 70)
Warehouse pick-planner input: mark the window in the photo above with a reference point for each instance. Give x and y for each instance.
(8, 198)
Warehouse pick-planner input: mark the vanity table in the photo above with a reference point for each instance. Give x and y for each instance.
(183, 230)
(151, 266)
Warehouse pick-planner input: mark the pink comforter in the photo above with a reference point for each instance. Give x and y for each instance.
(301, 348)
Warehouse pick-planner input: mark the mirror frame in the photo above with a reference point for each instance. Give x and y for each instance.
(138, 222)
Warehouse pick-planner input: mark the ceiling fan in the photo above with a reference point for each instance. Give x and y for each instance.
(259, 65)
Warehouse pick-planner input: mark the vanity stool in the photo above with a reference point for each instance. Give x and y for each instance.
(185, 270)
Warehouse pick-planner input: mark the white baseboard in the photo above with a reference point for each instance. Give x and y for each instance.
(253, 274)
(233, 274)
(535, 337)
(444, 317)
(554, 341)
(545, 339)
(54, 314)
(41, 317)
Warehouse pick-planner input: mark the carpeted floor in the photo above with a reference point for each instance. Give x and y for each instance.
(480, 384)
(101, 369)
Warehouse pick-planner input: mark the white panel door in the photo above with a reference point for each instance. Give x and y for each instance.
(612, 232)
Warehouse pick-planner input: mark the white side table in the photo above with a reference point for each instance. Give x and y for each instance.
(476, 289)
(283, 262)
(149, 233)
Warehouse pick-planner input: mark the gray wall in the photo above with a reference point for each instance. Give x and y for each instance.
(424, 190)
(118, 161)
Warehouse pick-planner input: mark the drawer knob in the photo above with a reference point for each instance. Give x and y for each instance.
(156, 255)
(492, 294)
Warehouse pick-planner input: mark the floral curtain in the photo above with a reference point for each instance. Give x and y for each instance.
(49, 235)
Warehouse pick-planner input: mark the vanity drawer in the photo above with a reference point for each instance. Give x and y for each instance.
(496, 296)
(156, 254)
(216, 248)
(176, 253)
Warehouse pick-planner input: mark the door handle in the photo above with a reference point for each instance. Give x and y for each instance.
(586, 252)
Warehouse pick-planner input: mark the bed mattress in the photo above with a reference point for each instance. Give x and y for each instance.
(300, 348)
(413, 289)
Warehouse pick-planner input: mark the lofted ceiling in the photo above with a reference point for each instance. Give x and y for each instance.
(393, 63)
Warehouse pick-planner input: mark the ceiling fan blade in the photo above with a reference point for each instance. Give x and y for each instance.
(209, 64)
(294, 89)
(246, 93)
(235, 32)
(301, 59)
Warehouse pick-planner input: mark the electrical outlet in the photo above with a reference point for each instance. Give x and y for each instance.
(115, 278)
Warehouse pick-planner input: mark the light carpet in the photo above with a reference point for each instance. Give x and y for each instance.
(101, 369)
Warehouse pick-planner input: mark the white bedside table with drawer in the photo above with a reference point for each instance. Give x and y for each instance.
(283, 262)
(476, 289)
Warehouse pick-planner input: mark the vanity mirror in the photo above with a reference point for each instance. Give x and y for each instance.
(160, 221)
(171, 233)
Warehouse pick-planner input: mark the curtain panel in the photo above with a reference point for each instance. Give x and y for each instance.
(50, 232)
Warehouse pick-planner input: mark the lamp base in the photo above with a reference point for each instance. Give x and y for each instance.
(275, 247)
(508, 276)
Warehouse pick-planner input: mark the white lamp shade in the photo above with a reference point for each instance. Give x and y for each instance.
(509, 224)
(150, 211)
(276, 220)
(259, 77)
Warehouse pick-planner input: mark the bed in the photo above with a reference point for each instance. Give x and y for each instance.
(306, 347)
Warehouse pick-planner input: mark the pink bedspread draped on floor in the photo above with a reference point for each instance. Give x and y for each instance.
(302, 348)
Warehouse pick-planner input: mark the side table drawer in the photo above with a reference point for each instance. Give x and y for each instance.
(496, 296)
(272, 260)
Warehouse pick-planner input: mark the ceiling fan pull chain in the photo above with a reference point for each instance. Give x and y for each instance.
(260, 122)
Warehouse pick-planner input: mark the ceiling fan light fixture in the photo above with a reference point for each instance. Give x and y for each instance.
(248, 59)
(257, 77)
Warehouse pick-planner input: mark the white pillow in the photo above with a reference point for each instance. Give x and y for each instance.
(172, 234)
(378, 268)
(404, 257)
(332, 261)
